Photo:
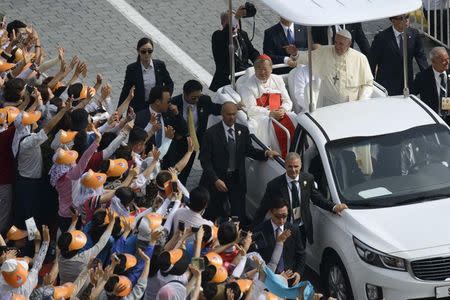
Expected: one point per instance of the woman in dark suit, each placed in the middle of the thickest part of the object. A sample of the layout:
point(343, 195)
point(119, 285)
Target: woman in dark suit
point(144, 74)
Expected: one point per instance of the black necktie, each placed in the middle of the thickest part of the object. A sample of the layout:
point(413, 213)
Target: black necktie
point(443, 87)
point(400, 44)
point(231, 144)
point(295, 197)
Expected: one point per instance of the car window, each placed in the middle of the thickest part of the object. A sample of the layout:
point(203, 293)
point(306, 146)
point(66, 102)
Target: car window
point(392, 169)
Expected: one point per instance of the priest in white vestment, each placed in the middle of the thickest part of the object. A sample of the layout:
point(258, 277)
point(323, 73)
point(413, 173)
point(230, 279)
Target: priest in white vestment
point(344, 72)
point(265, 95)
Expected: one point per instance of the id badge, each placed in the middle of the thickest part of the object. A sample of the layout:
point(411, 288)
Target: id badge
point(296, 213)
point(445, 103)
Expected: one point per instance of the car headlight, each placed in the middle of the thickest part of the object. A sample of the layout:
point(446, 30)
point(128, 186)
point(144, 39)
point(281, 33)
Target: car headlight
point(377, 258)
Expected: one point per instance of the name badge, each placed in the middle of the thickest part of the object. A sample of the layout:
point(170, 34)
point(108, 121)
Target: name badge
point(296, 213)
point(445, 103)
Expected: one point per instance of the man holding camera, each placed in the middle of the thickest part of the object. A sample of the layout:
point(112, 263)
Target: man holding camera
point(243, 48)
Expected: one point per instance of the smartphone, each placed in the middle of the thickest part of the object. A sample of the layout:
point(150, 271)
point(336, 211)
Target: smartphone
point(31, 228)
point(174, 185)
point(199, 263)
point(195, 229)
point(181, 226)
point(30, 88)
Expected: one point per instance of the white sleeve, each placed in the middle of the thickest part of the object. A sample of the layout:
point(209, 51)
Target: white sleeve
point(300, 82)
point(249, 100)
point(34, 140)
point(56, 141)
point(286, 101)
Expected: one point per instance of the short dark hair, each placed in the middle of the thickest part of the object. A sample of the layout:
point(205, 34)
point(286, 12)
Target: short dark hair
point(79, 119)
point(227, 233)
point(162, 177)
point(143, 41)
point(278, 202)
point(74, 90)
point(235, 288)
point(125, 195)
point(156, 93)
point(80, 142)
point(12, 89)
point(14, 25)
point(198, 198)
point(137, 135)
point(107, 138)
point(192, 86)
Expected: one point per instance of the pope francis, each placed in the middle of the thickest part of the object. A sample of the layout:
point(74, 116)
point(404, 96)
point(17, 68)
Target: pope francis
point(345, 73)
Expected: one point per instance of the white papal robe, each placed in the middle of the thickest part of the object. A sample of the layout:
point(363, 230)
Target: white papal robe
point(344, 77)
point(259, 121)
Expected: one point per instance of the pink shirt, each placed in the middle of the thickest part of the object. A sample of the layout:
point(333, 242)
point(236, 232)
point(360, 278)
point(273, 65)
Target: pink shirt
point(64, 184)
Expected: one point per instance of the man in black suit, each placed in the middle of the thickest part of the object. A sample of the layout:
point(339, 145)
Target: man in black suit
point(298, 188)
point(166, 115)
point(432, 83)
point(144, 74)
point(386, 55)
point(194, 106)
point(283, 40)
point(320, 36)
point(243, 49)
point(224, 148)
point(277, 229)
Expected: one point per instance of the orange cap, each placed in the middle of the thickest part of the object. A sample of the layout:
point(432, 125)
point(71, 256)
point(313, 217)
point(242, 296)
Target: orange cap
point(214, 232)
point(271, 296)
point(15, 234)
point(29, 118)
point(221, 275)
point(124, 281)
point(93, 180)
point(57, 86)
point(15, 272)
point(155, 220)
point(175, 255)
point(129, 219)
point(130, 261)
point(214, 259)
point(67, 136)
point(63, 291)
point(117, 167)
point(244, 285)
point(66, 157)
point(18, 297)
point(4, 66)
point(84, 91)
point(78, 240)
point(11, 112)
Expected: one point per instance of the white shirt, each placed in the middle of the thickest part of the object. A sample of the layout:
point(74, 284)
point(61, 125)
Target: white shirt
point(186, 106)
point(190, 218)
point(148, 75)
point(285, 29)
point(438, 81)
point(226, 127)
point(290, 183)
point(30, 161)
point(397, 36)
point(275, 227)
point(149, 125)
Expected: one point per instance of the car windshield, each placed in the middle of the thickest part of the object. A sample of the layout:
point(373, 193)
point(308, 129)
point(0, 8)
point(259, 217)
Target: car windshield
point(392, 169)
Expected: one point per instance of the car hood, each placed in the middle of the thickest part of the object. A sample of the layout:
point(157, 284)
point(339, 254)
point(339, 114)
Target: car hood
point(403, 229)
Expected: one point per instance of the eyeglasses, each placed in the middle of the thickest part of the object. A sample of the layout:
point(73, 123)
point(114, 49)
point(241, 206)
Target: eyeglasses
point(401, 18)
point(144, 51)
point(281, 216)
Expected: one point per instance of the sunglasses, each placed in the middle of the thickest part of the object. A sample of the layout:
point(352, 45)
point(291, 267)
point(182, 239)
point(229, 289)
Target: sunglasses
point(401, 18)
point(144, 51)
point(280, 216)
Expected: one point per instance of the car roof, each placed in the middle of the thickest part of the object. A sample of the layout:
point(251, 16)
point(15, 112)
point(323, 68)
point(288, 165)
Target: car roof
point(331, 12)
point(370, 117)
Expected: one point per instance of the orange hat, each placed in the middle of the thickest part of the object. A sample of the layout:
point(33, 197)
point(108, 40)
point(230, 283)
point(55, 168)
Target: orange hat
point(15, 272)
point(221, 275)
point(93, 180)
point(84, 92)
point(63, 291)
point(244, 285)
point(271, 296)
point(117, 167)
point(78, 240)
point(31, 117)
point(15, 234)
point(66, 137)
point(18, 297)
point(11, 113)
point(214, 259)
point(66, 157)
point(214, 232)
point(57, 86)
point(130, 261)
point(4, 66)
point(124, 281)
point(155, 220)
point(129, 219)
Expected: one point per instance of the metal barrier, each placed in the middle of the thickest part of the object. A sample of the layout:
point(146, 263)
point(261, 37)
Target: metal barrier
point(433, 21)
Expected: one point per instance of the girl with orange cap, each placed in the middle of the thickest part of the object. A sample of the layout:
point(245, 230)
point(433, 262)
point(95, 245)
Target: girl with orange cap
point(64, 172)
point(73, 259)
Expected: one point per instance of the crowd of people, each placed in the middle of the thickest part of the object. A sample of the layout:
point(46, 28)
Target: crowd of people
point(93, 197)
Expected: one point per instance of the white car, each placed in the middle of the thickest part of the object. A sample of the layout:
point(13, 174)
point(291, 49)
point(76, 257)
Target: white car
point(388, 159)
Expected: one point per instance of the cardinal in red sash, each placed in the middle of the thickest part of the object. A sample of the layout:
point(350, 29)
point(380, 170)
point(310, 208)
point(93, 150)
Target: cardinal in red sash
point(265, 96)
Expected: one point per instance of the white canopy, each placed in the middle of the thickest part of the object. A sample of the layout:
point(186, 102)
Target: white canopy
point(331, 12)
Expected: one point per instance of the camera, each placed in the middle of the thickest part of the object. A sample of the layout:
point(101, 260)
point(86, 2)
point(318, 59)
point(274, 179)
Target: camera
point(250, 10)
